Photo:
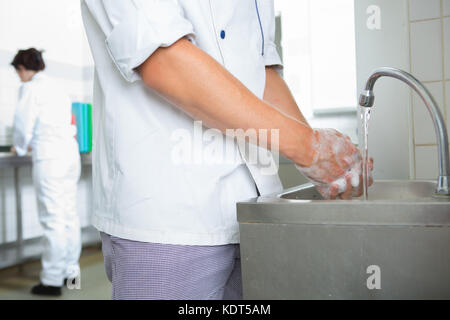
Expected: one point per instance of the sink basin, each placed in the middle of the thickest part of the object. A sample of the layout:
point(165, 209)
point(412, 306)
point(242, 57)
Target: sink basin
point(296, 245)
point(409, 190)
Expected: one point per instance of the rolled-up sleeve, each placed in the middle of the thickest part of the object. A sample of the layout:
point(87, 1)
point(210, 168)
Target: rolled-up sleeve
point(134, 29)
point(271, 56)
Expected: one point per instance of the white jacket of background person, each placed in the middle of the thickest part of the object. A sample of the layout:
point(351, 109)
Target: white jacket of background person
point(42, 120)
point(142, 190)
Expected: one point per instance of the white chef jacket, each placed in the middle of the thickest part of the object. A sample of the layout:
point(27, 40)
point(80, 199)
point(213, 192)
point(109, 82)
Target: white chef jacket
point(140, 193)
point(42, 120)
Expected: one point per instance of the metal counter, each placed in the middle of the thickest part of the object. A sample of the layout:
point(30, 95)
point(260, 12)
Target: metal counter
point(395, 245)
point(9, 160)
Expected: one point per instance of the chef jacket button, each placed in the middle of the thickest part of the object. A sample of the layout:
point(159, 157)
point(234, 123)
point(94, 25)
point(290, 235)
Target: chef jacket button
point(222, 34)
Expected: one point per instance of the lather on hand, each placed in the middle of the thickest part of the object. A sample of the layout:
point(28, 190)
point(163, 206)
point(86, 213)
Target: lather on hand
point(337, 165)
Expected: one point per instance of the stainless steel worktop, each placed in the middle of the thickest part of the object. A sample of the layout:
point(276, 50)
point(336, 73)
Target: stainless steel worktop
point(9, 160)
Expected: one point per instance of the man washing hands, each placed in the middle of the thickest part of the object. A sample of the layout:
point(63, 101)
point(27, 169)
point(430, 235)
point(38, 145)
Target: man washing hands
point(336, 167)
point(162, 66)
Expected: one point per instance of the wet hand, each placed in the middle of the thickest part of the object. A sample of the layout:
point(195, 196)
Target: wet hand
point(336, 170)
point(352, 189)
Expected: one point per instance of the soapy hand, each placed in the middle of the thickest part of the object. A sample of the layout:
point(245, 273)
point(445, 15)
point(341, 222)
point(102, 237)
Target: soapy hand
point(352, 184)
point(337, 165)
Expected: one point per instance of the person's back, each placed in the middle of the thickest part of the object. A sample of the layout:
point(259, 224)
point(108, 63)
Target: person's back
point(53, 133)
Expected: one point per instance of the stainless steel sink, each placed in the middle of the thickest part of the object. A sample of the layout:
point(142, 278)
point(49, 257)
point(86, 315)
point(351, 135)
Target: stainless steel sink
point(295, 245)
point(401, 190)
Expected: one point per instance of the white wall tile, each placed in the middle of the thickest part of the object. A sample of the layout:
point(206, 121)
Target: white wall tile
point(446, 22)
point(446, 7)
point(426, 163)
point(423, 124)
point(426, 50)
point(424, 9)
point(389, 123)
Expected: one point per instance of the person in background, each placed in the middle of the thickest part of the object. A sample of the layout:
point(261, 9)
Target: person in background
point(42, 124)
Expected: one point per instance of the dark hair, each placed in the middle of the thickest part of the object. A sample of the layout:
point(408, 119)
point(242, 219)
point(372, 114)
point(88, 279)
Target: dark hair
point(30, 59)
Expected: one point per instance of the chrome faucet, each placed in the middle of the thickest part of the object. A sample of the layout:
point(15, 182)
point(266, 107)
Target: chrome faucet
point(367, 99)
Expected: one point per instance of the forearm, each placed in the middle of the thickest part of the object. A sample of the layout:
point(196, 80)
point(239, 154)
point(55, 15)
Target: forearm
point(277, 94)
point(196, 83)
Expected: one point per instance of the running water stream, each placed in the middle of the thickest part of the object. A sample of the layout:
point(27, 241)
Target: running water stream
point(364, 146)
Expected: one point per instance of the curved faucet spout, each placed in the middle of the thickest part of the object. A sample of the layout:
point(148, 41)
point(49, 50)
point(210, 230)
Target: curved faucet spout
point(367, 99)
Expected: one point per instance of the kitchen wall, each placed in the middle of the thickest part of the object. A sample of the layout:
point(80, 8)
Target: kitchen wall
point(56, 27)
point(303, 62)
point(289, 175)
point(382, 40)
point(413, 35)
point(429, 34)
point(390, 140)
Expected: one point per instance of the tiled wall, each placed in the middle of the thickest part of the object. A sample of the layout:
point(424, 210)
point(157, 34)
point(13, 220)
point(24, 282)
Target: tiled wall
point(388, 45)
point(429, 28)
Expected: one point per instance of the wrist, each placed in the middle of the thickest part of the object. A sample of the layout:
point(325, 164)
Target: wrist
point(304, 150)
point(308, 152)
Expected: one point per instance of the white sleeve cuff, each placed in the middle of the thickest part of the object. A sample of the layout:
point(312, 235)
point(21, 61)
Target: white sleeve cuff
point(135, 38)
point(272, 58)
